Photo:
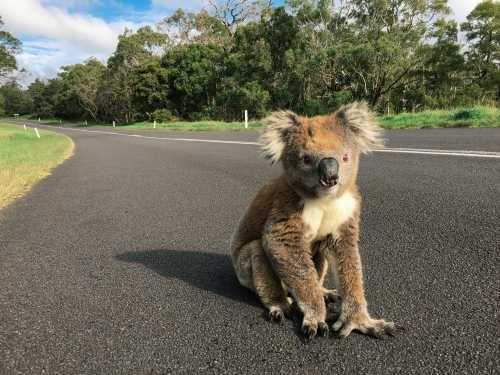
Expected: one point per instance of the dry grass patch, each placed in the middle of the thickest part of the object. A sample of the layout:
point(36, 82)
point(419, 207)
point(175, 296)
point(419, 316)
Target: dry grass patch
point(25, 158)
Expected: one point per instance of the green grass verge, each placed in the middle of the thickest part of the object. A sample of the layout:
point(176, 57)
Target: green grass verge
point(459, 118)
point(467, 117)
point(25, 158)
point(192, 126)
point(179, 126)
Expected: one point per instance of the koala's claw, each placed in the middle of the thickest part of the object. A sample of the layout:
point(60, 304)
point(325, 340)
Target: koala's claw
point(276, 315)
point(322, 329)
point(364, 324)
point(310, 329)
point(331, 295)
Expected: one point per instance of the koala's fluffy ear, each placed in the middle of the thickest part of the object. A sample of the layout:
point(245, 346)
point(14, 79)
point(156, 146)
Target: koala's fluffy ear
point(361, 122)
point(273, 137)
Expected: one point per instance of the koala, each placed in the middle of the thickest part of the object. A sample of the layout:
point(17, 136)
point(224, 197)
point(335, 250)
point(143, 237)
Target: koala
point(307, 220)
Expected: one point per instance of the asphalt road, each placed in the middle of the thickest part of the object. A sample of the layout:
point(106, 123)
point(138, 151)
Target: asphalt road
point(117, 263)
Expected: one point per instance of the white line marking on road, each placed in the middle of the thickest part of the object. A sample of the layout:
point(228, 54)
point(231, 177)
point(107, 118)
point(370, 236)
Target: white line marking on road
point(162, 138)
point(477, 154)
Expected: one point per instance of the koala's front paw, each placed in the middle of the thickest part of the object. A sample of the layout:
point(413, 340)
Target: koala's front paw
point(311, 328)
point(363, 323)
point(277, 314)
point(331, 295)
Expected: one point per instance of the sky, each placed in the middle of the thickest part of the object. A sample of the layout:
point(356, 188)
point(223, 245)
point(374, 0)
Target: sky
point(57, 33)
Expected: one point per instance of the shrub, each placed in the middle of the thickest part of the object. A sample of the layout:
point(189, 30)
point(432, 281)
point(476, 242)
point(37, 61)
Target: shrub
point(467, 114)
point(162, 115)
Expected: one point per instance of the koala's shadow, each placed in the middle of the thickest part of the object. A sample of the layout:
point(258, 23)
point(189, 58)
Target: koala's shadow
point(210, 272)
point(206, 271)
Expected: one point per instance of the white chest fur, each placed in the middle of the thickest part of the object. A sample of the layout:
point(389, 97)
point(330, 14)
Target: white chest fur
point(323, 217)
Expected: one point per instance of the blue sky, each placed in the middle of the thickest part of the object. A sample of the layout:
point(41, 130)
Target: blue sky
point(56, 33)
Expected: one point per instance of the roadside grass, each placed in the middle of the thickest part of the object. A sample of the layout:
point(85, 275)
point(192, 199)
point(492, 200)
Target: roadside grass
point(456, 118)
point(192, 126)
point(179, 126)
point(25, 158)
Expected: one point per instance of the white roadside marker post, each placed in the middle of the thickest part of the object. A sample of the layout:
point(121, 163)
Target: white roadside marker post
point(37, 132)
point(246, 119)
point(113, 123)
point(154, 124)
point(24, 126)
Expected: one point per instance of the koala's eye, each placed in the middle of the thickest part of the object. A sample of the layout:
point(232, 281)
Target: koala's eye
point(345, 159)
point(306, 160)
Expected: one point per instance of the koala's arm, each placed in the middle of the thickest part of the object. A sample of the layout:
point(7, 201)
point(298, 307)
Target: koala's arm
point(343, 256)
point(289, 255)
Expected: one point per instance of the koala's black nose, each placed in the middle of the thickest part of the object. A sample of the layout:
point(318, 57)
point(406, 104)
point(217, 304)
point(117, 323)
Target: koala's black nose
point(328, 170)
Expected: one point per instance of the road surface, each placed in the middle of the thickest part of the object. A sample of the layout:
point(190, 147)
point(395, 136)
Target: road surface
point(117, 263)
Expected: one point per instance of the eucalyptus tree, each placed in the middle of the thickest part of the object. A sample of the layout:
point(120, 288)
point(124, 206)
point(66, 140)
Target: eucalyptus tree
point(234, 13)
point(260, 68)
point(364, 49)
point(81, 95)
point(279, 29)
point(9, 48)
point(439, 81)
point(186, 27)
point(134, 51)
point(13, 99)
point(482, 33)
point(193, 77)
point(248, 72)
point(151, 91)
point(44, 96)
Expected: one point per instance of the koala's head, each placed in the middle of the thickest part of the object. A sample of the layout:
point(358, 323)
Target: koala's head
point(320, 155)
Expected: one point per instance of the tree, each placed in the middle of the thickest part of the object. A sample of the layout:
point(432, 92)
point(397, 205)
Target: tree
point(13, 99)
point(364, 49)
point(183, 28)
point(38, 92)
point(233, 13)
point(439, 81)
point(81, 82)
point(194, 78)
point(482, 32)
point(9, 48)
point(151, 92)
point(280, 30)
point(133, 50)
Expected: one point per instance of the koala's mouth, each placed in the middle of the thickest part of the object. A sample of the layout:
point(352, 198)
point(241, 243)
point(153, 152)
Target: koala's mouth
point(329, 182)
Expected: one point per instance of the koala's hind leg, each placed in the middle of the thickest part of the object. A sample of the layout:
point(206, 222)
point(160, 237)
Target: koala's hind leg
point(321, 265)
point(256, 273)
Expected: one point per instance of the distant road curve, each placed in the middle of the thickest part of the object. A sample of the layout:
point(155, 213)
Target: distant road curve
point(128, 133)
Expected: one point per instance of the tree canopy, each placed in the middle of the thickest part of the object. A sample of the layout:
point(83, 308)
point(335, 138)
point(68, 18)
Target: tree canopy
point(9, 48)
point(310, 56)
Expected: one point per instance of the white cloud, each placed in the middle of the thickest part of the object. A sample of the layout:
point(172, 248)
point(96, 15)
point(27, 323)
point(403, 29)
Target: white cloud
point(29, 18)
point(44, 57)
point(53, 37)
point(71, 3)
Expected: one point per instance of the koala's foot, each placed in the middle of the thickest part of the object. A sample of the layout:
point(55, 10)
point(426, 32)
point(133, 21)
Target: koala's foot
point(331, 295)
point(312, 328)
point(362, 322)
point(278, 313)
